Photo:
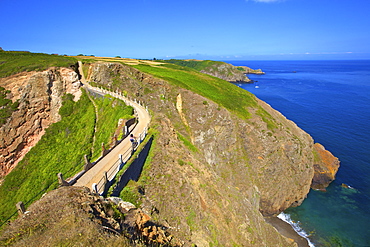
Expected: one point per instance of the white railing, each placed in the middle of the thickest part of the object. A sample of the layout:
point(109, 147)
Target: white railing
point(111, 173)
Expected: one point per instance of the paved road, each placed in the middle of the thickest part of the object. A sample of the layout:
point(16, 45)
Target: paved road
point(97, 172)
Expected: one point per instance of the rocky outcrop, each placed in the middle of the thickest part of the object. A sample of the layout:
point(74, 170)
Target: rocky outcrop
point(40, 96)
point(326, 166)
point(74, 216)
point(227, 72)
point(248, 70)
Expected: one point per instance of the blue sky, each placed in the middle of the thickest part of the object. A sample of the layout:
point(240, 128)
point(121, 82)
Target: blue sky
point(203, 29)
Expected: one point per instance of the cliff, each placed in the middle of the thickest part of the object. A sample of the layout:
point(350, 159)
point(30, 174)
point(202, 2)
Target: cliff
point(221, 159)
point(39, 96)
point(252, 71)
point(209, 166)
point(227, 72)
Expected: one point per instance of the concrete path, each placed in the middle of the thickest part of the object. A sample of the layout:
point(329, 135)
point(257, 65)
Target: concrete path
point(96, 173)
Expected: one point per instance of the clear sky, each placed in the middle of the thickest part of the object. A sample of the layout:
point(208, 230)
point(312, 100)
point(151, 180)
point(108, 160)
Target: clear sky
point(204, 29)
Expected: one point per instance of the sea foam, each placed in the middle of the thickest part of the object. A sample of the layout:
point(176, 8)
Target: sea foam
point(296, 226)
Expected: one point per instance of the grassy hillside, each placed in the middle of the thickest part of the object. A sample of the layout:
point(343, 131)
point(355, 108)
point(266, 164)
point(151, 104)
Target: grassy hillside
point(61, 149)
point(227, 95)
point(194, 64)
point(13, 62)
point(110, 110)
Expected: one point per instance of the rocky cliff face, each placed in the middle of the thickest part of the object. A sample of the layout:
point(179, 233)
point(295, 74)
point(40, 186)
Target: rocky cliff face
point(39, 95)
point(326, 167)
point(227, 72)
point(212, 175)
point(252, 71)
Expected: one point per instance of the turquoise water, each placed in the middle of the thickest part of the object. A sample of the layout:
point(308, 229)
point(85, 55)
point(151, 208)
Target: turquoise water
point(331, 101)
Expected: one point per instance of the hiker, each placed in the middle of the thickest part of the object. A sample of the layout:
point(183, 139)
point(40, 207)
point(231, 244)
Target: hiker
point(133, 140)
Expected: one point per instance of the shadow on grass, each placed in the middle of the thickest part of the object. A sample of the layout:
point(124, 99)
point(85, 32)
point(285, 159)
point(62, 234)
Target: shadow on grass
point(134, 171)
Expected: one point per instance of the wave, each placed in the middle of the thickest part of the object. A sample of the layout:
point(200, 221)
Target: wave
point(296, 226)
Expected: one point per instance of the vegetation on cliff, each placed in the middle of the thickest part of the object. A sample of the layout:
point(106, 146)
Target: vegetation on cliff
point(7, 107)
point(198, 65)
point(222, 70)
point(61, 149)
point(226, 95)
point(13, 62)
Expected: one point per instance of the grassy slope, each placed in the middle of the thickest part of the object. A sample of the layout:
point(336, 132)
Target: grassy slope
point(55, 152)
point(12, 62)
point(110, 110)
point(225, 94)
point(194, 64)
point(61, 149)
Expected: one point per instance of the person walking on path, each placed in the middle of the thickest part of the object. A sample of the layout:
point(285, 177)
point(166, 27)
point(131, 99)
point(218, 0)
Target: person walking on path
point(133, 141)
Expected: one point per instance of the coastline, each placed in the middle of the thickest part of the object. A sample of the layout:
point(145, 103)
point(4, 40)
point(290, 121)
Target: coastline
point(287, 230)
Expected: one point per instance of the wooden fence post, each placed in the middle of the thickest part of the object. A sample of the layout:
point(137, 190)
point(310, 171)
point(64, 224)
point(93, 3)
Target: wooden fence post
point(61, 181)
point(115, 140)
point(103, 151)
point(87, 165)
point(20, 207)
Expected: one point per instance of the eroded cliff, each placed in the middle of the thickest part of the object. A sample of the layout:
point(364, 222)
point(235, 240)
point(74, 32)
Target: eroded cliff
point(211, 174)
point(40, 96)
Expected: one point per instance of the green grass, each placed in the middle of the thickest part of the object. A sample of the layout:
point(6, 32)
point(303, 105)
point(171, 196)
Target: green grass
point(194, 64)
point(61, 149)
point(221, 92)
point(110, 110)
point(130, 193)
point(187, 143)
point(267, 118)
point(13, 62)
point(7, 107)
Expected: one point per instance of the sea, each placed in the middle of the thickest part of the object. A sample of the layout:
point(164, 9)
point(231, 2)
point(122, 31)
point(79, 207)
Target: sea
point(330, 100)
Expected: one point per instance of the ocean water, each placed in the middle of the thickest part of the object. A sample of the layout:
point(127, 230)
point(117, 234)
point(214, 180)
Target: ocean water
point(331, 101)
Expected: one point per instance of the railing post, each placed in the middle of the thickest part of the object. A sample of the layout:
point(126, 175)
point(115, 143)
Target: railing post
point(115, 141)
point(20, 207)
point(95, 188)
point(87, 165)
point(126, 130)
point(61, 181)
point(103, 150)
point(120, 156)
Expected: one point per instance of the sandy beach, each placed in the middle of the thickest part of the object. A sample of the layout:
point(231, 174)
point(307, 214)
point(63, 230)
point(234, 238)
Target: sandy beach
point(286, 230)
